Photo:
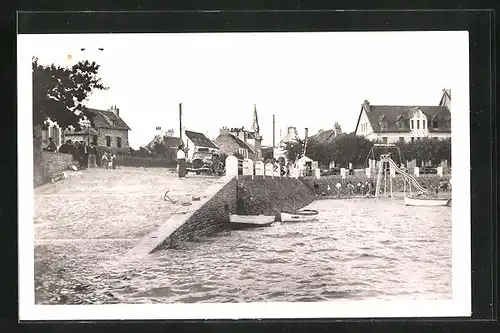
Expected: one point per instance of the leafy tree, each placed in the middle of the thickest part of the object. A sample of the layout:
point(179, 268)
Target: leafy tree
point(59, 92)
point(294, 149)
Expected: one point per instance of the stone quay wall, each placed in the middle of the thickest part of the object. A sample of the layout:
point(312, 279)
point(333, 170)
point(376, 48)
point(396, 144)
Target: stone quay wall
point(271, 196)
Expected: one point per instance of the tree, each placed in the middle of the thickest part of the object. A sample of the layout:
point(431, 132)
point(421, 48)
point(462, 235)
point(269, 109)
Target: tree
point(294, 149)
point(59, 92)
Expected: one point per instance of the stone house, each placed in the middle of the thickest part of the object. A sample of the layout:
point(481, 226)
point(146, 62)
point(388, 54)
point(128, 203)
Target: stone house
point(291, 135)
point(405, 123)
point(109, 130)
point(231, 141)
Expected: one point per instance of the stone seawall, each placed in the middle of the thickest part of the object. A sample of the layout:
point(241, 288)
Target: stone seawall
point(320, 186)
point(271, 196)
point(204, 217)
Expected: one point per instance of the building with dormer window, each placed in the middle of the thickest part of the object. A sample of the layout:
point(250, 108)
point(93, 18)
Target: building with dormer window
point(397, 123)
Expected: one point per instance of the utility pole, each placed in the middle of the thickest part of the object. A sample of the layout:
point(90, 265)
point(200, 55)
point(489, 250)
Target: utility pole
point(180, 121)
point(274, 131)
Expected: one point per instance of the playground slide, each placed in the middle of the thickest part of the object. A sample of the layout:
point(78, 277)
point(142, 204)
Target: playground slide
point(407, 175)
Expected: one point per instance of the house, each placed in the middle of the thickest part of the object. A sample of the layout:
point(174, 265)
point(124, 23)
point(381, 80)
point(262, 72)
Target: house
point(109, 130)
point(198, 142)
point(51, 129)
point(393, 123)
point(327, 135)
point(170, 144)
point(235, 140)
point(247, 143)
point(280, 149)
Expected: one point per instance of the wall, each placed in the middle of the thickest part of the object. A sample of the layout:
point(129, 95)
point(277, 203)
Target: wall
point(226, 144)
point(271, 196)
point(54, 163)
point(38, 175)
point(429, 181)
point(204, 217)
point(113, 133)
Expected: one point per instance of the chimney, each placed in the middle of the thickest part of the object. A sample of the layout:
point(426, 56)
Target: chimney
point(306, 132)
point(224, 130)
point(170, 133)
point(274, 131)
point(366, 105)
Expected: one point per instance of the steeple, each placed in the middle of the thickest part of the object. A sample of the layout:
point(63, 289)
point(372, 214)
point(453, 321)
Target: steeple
point(255, 125)
point(446, 98)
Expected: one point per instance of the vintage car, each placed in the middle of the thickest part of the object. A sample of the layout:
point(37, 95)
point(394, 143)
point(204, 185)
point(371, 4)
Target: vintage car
point(205, 163)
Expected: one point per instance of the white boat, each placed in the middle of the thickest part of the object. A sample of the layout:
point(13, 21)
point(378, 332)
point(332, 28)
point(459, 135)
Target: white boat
point(251, 220)
point(426, 201)
point(302, 215)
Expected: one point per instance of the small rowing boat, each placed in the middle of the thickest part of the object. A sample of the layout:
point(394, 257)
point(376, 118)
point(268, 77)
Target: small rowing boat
point(426, 201)
point(248, 221)
point(302, 215)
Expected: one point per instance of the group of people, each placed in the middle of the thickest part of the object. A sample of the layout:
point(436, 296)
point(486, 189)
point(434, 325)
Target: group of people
point(86, 156)
point(367, 188)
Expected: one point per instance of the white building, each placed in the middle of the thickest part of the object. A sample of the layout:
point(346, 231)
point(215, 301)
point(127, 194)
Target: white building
point(198, 142)
point(393, 123)
point(291, 135)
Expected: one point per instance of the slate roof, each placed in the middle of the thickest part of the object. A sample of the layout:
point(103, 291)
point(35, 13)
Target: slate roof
point(108, 119)
point(390, 114)
point(200, 140)
point(324, 136)
point(241, 143)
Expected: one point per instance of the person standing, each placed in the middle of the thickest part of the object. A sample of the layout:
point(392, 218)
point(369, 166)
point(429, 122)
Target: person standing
point(104, 160)
point(92, 156)
point(181, 162)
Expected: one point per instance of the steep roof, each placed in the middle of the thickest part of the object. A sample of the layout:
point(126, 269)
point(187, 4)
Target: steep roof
point(324, 136)
point(108, 119)
point(200, 140)
point(241, 143)
point(169, 142)
point(390, 114)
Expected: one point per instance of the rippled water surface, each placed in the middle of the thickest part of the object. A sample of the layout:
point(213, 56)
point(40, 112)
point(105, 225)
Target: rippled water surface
point(358, 249)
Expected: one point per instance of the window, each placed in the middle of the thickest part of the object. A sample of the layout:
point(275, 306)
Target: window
point(418, 124)
point(412, 139)
point(423, 123)
point(418, 139)
point(401, 139)
point(94, 140)
point(119, 142)
point(384, 139)
point(412, 124)
point(435, 123)
point(108, 141)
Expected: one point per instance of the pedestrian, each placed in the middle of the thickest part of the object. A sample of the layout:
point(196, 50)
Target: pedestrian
point(104, 160)
point(113, 161)
point(92, 156)
point(51, 147)
point(85, 155)
point(65, 147)
point(350, 188)
point(181, 162)
point(338, 186)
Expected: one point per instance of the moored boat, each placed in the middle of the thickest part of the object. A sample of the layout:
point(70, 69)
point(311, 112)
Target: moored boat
point(249, 221)
point(302, 215)
point(426, 201)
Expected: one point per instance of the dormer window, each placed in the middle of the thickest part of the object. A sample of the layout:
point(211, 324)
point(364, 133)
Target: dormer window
point(435, 123)
point(401, 122)
point(112, 122)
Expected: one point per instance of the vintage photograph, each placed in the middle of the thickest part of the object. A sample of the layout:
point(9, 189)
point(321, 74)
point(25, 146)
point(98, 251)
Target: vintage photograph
point(271, 174)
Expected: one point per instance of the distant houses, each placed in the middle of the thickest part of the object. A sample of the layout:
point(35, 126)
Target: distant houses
point(405, 123)
point(247, 143)
point(325, 136)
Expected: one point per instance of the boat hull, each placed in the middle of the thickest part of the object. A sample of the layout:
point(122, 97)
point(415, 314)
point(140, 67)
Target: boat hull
point(250, 221)
point(429, 202)
point(300, 216)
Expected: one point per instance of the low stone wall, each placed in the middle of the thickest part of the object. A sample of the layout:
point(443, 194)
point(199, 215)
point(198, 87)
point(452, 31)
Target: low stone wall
point(54, 163)
point(48, 164)
point(320, 185)
point(201, 218)
point(271, 196)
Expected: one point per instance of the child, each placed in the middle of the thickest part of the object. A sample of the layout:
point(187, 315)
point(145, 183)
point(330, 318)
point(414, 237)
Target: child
point(104, 161)
point(113, 161)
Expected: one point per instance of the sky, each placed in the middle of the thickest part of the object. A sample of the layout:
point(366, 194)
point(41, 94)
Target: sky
point(305, 79)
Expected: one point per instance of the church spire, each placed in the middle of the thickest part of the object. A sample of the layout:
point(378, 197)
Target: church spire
point(255, 125)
